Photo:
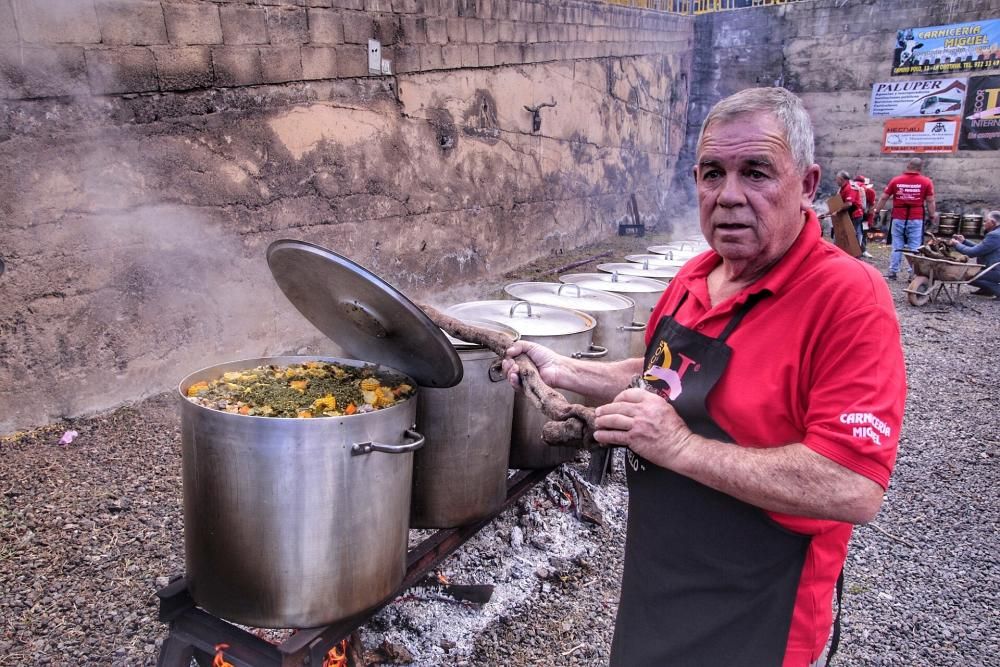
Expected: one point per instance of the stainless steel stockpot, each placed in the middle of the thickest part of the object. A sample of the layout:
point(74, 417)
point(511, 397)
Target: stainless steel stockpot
point(645, 292)
point(295, 523)
point(656, 261)
point(460, 476)
point(615, 314)
point(568, 332)
point(664, 273)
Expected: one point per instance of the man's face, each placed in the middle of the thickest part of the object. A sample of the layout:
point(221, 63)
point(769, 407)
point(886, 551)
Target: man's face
point(990, 224)
point(751, 196)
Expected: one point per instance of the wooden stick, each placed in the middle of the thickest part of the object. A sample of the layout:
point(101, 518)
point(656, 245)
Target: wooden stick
point(572, 424)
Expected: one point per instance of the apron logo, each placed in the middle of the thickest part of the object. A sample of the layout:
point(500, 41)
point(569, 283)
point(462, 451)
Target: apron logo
point(634, 461)
point(660, 372)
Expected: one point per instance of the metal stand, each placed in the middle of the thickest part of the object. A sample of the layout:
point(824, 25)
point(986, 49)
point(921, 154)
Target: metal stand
point(194, 632)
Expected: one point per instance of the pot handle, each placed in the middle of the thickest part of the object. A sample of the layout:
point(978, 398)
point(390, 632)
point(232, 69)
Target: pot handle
point(596, 352)
point(635, 326)
point(526, 304)
point(565, 285)
point(360, 448)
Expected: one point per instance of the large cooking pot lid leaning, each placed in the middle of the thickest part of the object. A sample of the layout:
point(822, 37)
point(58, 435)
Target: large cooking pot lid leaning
point(366, 316)
point(569, 296)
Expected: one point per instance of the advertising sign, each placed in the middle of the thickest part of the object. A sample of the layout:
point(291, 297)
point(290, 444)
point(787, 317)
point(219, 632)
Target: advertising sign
point(930, 97)
point(920, 135)
point(981, 122)
point(948, 49)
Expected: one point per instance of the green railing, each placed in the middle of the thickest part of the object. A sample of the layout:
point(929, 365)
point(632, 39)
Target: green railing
point(697, 6)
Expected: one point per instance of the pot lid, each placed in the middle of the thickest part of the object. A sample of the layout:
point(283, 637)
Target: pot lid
point(655, 260)
point(671, 252)
point(528, 319)
point(362, 313)
point(566, 295)
point(633, 269)
point(614, 282)
point(482, 324)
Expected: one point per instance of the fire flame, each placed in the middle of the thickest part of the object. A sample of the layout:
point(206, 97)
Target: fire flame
point(336, 656)
point(443, 578)
point(220, 658)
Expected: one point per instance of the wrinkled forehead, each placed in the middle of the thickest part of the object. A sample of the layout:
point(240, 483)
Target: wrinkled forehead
point(750, 133)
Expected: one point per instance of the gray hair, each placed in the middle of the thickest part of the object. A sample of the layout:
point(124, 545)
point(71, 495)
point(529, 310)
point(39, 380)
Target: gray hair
point(786, 108)
point(914, 164)
point(844, 175)
point(994, 216)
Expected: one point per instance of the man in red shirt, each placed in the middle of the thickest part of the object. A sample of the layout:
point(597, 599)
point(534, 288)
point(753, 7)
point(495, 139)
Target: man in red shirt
point(764, 418)
point(864, 185)
point(853, 203)
point(911, 193)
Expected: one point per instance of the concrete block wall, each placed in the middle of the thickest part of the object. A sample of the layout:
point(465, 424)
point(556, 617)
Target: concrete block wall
point(831, 52)
point(107, 47)
point(151, 151)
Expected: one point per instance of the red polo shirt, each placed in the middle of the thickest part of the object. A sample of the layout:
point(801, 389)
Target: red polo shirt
point(908, 192)
point(817, 361)
point(852, 196)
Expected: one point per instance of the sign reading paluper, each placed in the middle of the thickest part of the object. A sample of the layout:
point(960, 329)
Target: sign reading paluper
point(928, 97)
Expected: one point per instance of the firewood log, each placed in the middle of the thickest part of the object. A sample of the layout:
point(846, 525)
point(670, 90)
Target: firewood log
point(572, 424)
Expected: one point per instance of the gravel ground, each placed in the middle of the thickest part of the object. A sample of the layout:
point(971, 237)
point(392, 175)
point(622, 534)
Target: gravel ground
point(89, 531)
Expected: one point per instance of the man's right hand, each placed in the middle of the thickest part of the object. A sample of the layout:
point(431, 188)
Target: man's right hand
point(549, 363)
point(956, 239)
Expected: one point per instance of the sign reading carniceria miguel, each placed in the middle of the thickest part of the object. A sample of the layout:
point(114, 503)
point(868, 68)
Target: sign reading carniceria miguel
point(946, 49)
point(929, 97)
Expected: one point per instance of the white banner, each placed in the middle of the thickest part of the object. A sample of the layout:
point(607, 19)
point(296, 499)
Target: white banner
point(931, 97)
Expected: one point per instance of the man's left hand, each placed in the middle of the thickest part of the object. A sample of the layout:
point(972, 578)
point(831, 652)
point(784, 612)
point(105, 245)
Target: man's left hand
point(645, 423)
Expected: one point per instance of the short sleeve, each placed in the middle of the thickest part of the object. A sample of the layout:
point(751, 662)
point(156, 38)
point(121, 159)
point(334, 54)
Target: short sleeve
point(857, 388)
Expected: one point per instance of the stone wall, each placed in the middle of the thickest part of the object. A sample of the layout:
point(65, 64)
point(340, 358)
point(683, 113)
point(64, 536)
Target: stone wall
point(150, 151)
point(831, 52)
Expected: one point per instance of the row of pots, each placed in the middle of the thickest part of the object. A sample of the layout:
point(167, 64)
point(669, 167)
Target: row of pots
point(303, 522)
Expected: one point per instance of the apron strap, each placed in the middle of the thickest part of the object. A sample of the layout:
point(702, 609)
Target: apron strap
point(741, 313)
point(835, 641)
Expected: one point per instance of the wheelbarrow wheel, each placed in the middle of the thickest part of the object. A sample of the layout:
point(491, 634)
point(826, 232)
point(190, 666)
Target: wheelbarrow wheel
point(919, 291)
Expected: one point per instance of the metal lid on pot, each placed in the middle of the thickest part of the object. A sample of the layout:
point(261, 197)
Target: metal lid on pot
point(463, 345)
point(569, 296)
point(656, 260)
point(633, 269)
point(528, 319)
point(668, 252)
point(614, 282)
point(362, 313)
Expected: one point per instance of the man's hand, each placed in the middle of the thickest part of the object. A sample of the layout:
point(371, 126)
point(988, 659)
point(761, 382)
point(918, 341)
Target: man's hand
point(956, 239)
point(548, 363)
point(645, 423)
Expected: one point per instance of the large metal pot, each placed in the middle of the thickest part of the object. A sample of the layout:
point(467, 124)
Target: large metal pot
point(294, 522)
point(645, 292)
point(615, 314)
point(664, 273)
point(461, 475)
point(567, 332)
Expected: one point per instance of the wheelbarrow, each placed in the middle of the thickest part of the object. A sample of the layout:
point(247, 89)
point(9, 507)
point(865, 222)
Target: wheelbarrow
point(934, 277)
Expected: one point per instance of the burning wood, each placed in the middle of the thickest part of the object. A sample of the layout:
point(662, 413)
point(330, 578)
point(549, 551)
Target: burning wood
point(220, 657)
point(572, 425)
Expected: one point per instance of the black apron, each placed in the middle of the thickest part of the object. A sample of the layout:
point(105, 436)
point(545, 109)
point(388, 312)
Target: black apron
point(709, 581)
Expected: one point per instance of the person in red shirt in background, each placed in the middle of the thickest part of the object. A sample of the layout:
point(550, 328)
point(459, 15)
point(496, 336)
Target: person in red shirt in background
point(764, 419)
point(911, 192)
point(865, 185)
point(854, 203)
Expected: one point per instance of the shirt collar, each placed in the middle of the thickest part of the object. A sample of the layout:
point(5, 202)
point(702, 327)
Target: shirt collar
point(695, 280)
